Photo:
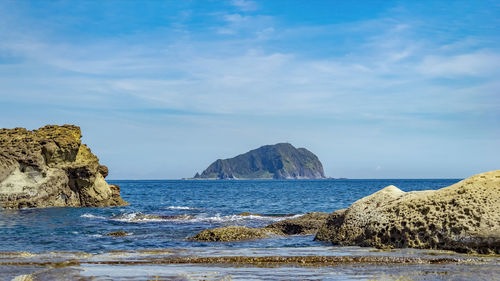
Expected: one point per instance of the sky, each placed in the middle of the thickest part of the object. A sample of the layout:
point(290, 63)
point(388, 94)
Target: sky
point(161, 89)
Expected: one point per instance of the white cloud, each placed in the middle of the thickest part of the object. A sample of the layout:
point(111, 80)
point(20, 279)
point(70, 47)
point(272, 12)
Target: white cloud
point(245, 5)
point(479, 64)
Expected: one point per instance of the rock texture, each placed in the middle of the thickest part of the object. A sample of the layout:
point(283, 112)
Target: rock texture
point(464, 217)
point(231, 233)
point(50, 167)
point(306, 224)
point(279, 161)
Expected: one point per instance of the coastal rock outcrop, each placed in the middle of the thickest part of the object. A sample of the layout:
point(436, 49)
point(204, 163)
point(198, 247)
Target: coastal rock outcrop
point(306, 224)
point(50, 167)
point(463, 217)
point(279, 161)
point(303, 225)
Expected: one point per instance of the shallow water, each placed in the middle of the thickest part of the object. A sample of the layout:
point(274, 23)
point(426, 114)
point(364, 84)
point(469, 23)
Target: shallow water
point(182, 264)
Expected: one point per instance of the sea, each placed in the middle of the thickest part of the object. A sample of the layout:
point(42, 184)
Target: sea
point(163, 213)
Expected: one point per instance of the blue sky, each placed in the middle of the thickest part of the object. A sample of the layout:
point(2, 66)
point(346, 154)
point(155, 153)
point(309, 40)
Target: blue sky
point(376, 89)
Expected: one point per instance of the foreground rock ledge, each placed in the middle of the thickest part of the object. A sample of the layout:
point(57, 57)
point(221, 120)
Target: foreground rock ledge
point(464, 217)
point(50, 167)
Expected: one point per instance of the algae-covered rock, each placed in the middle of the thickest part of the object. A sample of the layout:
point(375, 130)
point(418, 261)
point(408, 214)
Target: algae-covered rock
point(279, 161)
point(463, 217)
point(306, 224)
point(231, 233)
point(120, 233)
point(50, 167)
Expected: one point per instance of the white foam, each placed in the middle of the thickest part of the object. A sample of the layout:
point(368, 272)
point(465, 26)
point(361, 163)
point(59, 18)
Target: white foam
point(238, 218)
point(181, 208)
point(138, 217)
point(90, 216)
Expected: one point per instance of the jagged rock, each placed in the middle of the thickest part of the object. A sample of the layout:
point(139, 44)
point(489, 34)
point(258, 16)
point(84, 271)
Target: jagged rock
point(306, 224)
point(50, 167)
point(463, 217)
point(279, 161)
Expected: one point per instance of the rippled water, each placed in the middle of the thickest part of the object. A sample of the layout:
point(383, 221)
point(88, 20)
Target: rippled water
point(163, 213)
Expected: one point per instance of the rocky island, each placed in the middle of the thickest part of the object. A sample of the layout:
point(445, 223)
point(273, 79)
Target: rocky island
point(279, 161)
point(50, 167)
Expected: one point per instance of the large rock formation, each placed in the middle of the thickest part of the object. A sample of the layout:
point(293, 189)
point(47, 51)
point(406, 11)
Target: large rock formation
point(50, 167)
point(463, 217)
point(279, 161)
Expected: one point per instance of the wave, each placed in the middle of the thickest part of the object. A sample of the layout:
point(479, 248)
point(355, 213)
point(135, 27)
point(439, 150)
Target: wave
point(239, 218)
point(138, 217)
point(181, 208)
point(90, 216)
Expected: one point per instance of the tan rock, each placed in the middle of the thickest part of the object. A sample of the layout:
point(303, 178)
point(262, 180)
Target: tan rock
point(463, 217)
point(50, 167)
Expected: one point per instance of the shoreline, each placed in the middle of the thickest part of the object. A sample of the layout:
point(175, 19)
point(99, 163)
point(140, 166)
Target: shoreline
point(212, 263)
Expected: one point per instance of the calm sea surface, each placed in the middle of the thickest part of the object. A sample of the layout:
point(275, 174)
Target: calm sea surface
point(163, 213)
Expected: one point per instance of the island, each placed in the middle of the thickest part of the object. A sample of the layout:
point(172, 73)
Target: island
point(279, 161)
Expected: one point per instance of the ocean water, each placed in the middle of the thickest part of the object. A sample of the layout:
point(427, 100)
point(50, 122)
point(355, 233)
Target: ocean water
point(163, 213)
point(72, 243)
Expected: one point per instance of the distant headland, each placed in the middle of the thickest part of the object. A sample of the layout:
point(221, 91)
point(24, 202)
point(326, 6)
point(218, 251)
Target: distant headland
point(279, 161)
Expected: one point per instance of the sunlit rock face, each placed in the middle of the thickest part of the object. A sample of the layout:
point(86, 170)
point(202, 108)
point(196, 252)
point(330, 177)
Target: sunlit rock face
point(50, 167)
point(463, 217)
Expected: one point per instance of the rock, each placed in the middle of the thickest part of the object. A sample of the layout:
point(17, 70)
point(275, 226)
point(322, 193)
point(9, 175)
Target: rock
point(463, 217)
point(306, 224)
point(245, 214)
point(50, 167)
point(279, 161)
point(231, 233)
point(117, 233)
point(103, 170)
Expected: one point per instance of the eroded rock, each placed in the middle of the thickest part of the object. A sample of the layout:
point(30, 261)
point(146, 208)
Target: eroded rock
point(50, 167)
point(463, 217)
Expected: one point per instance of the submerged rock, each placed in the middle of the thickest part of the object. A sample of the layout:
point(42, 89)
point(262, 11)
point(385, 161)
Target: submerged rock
point(50, 167)
point(279, 161)
point(463, 217)
point(117, 233)
point(306, 224)
point(246, 214)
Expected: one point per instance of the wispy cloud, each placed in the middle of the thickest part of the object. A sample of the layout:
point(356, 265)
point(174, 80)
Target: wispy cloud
point(245, 5)
point(380, 76)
